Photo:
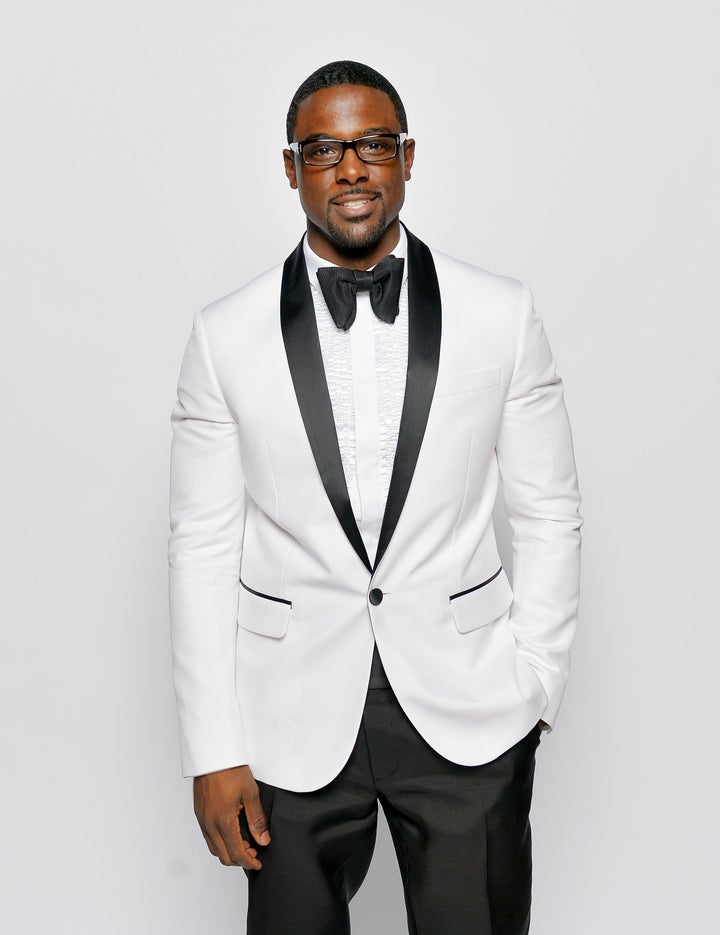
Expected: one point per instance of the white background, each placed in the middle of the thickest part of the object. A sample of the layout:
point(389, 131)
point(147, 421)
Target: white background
point(569, 143)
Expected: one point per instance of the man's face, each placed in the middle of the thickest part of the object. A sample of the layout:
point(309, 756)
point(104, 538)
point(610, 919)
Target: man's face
point(352, 208)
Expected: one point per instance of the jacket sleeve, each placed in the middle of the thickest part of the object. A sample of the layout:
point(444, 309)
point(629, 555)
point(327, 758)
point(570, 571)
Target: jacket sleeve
point(542, 500)
point(204, 549)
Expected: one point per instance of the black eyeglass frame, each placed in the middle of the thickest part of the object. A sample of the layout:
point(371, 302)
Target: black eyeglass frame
point(297, 147)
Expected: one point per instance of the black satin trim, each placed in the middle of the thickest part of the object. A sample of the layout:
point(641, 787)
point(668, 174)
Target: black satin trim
point(477, 586)
point(302, 346)
point(267, 597)
point(425, 330)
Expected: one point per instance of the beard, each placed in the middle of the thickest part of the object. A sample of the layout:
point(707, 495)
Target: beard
point(357, 233)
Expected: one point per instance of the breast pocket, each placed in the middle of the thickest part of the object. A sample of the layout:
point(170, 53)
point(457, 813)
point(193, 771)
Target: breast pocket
point(469, 381)
point(482, 603)
point(263, 613)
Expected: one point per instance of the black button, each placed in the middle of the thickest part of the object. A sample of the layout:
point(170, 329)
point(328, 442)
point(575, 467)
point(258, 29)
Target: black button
point(376, 596)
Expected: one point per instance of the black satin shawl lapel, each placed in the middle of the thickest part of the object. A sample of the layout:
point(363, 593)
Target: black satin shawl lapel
point(425, 327)
point(302, 346)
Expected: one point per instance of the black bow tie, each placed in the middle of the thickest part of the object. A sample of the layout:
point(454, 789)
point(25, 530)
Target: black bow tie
point(340, 287)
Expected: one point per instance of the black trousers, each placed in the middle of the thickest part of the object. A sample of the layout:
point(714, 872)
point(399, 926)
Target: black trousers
point(461, 835)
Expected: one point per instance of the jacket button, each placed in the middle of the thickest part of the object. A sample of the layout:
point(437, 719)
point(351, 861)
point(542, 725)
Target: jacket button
point(376, 596)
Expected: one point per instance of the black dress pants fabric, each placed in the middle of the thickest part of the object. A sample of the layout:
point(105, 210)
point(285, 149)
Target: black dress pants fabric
point(461, 836)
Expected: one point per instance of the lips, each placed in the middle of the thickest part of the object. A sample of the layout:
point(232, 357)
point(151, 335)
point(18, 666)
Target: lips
point(354, 205)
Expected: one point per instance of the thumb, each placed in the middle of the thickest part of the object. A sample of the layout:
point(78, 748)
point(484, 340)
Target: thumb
point(256, 818)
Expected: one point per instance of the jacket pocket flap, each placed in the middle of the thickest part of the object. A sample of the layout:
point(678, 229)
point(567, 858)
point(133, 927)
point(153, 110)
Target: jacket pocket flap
point(481, 604)
point(263, 613)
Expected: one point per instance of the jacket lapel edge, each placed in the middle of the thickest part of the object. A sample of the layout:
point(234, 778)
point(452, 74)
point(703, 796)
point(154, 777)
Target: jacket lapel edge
point(425, 330)
point(302, 347)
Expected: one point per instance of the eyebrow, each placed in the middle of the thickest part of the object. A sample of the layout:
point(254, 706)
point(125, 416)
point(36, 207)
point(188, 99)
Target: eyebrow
point(368, 131)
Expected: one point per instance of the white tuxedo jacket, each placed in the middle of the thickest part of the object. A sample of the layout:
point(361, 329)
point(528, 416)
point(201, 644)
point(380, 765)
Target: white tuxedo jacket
point(275, 606)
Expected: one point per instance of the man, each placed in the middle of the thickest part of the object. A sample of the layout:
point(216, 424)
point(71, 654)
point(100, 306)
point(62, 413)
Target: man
point(343, 630)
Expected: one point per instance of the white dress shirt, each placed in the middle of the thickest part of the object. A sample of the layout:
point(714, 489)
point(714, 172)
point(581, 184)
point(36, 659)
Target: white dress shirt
point(365, 368)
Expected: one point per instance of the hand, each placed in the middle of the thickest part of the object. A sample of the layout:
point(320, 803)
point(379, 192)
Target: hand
point(219, 799)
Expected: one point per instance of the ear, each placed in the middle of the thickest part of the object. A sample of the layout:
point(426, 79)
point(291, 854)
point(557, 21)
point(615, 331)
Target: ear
point(409, 157)
point(289, 159)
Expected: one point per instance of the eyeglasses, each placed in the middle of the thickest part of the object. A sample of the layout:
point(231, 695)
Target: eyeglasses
point(328, 153)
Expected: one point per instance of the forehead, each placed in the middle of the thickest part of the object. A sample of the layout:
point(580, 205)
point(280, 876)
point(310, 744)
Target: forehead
point(344, 112)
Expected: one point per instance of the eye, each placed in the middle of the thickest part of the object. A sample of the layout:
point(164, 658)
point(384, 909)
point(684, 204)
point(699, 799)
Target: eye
point(322, 149)
point(377, 146)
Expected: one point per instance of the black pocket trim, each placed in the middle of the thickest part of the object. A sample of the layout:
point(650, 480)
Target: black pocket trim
point(477, 586)
point(267, 597)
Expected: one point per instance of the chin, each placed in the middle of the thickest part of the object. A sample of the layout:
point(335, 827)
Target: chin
point(355, 235)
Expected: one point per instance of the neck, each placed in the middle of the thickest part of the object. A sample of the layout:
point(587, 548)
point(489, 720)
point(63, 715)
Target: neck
point(353, 257)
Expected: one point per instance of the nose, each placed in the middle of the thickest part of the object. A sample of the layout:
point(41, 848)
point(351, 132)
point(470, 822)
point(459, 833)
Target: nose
point(351, 168)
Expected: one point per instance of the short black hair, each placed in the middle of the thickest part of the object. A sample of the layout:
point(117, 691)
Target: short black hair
point(344, 72)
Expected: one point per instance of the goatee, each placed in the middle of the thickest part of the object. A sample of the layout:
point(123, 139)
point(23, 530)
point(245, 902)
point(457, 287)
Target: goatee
point(354, 235)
